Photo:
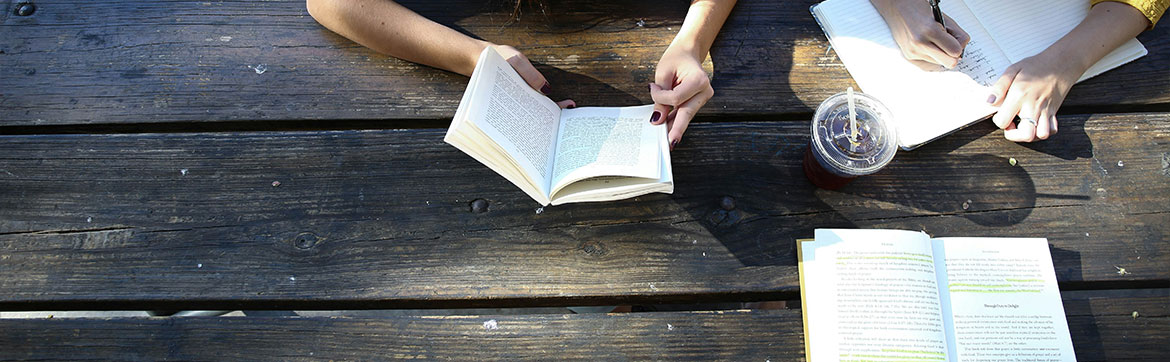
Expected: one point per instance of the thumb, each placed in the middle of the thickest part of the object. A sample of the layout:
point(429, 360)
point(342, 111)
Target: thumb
point(660, 110)
point(1000, 88)
point(1003, 117)
point(531, 76)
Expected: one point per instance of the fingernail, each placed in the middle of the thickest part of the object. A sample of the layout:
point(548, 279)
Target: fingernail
point(991, 99)
point(654, 117)
point(546, 88)
point(672, 144)
point(571, 106)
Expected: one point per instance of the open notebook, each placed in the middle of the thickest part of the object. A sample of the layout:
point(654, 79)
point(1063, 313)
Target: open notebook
point(929, 104)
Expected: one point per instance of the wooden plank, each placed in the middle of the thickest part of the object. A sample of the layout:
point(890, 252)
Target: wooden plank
point(1104, 327)
point(100, 62)
point(365, 219)
point(1101, 323)
point(775, 335)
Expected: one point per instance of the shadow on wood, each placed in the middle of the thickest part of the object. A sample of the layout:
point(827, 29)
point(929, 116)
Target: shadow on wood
point(755, 200)
point(1069, 143)
point(982, 188)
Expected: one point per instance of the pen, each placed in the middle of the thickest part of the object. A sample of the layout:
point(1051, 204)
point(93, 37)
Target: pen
point(937, 12)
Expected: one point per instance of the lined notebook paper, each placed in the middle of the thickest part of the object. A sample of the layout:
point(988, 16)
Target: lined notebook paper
point(929, 104)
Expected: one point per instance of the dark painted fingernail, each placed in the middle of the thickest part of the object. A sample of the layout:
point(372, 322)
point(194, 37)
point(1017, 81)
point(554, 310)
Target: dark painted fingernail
point(546, 88)
point(672, 144)
point(654, 117)
point(571, 106)
point(991, 99)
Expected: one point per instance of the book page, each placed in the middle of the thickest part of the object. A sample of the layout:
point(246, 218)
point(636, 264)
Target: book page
point(1025, 28)
point(925, 104)
point(606, 188)
point(520, 120)
point(1001, 300)
point(871, 295)
point(606, 141)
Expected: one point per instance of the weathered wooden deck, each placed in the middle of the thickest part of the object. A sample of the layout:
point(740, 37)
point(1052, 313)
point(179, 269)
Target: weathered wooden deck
point(139, 144)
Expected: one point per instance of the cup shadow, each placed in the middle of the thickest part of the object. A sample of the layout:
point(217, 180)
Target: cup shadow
point(983, 188)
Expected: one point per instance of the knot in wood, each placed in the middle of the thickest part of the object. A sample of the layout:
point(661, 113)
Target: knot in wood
point(479, 206)
point(25, 9)
point(593, 248)
point(727, 203)
point(305, 240)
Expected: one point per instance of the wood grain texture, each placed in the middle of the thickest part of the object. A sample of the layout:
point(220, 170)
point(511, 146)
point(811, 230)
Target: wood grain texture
point(102, 62)
point(1104, 328)
point(775, 335)
point(381, 219)
point(1101, 325)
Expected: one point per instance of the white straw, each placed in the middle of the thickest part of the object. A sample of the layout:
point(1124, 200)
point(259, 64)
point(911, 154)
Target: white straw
point(852, 119)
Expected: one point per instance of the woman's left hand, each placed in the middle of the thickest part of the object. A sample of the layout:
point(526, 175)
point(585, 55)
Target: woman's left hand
point(1033, 89)
point(680, 88)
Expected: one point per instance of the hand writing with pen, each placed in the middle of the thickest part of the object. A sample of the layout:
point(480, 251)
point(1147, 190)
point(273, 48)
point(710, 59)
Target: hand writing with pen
point(1033, 88)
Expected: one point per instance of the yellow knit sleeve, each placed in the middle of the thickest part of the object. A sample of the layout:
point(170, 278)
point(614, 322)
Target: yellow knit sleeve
point(1152, 9)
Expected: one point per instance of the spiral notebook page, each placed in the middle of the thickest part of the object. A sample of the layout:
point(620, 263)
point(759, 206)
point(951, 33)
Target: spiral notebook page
point(925, 104)
point(1018, 30)
point(929, 104)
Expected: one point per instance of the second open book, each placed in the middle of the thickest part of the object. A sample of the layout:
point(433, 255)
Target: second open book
point(557, 155)
point(893, 295)
point(929, 104)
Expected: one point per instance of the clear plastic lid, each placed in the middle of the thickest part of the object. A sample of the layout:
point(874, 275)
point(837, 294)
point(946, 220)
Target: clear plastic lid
point(848, 151)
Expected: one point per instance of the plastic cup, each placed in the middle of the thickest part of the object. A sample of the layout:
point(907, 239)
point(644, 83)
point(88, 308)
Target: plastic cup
point(836, 155)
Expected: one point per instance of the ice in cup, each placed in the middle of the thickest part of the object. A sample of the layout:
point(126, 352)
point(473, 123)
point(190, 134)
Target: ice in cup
point(844, 147)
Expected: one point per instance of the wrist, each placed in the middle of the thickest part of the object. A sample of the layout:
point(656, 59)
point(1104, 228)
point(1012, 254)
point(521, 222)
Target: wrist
point(686, 46)
point(701, 26)
point(1069, 59)
point(887, 8)
point(471, 56)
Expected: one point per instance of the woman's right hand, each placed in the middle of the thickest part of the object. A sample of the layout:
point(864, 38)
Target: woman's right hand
point(922, 40)
point(531, 76)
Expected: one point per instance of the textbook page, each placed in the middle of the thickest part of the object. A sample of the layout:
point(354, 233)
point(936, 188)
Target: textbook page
point(467, 137)
point(925, 104)
point(520, 120)
point(872, 295)
point(606, 188)
point(1001, 300)
point(606, 141)
point(1021, 33)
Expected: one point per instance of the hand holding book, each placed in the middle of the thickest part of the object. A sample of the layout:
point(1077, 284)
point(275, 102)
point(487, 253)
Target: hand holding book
point(557, 155)
point(524, 68)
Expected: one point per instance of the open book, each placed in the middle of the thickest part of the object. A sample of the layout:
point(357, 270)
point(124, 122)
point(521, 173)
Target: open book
point(883, 295)
point(930, 104)
point(556, 155)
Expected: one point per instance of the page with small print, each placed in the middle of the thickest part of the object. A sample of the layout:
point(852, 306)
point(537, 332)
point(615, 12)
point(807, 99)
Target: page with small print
point(1001, 301)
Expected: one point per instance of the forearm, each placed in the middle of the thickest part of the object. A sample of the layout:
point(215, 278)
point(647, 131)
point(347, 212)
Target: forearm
point(887, 8)
point(391, 29)
point(1108, 26)
point(704, 18)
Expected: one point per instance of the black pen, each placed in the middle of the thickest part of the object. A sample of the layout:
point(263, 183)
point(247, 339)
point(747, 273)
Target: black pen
point(937, 13)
